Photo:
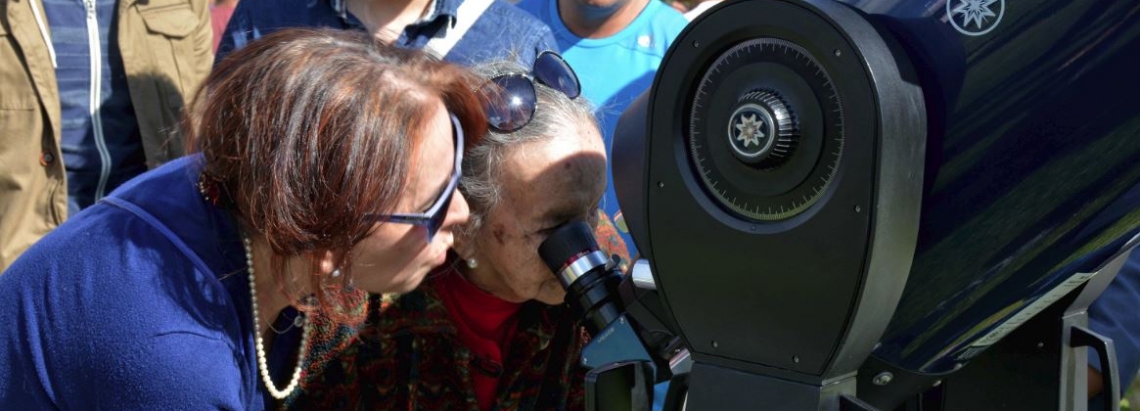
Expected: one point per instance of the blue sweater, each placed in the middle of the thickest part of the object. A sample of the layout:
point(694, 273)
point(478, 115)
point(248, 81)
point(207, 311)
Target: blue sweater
point(140, 302)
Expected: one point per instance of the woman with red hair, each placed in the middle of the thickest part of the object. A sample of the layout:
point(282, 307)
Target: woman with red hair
point(326, 165)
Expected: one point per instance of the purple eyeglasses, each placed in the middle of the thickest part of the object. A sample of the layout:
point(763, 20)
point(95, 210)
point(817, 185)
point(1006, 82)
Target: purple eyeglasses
point(432, 220)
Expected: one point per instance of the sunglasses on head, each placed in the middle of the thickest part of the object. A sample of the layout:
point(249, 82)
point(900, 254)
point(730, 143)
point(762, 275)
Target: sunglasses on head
point(433, 218)
point(510, 99)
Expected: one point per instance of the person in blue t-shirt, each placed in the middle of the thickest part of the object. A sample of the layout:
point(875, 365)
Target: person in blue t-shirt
point(465, 32)
point(615, 46)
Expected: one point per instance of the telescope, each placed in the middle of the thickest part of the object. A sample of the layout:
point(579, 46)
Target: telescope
point(878, 205)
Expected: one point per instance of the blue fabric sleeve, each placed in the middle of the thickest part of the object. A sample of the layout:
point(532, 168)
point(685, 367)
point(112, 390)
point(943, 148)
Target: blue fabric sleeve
point(178, 371)
point(545, 41)
point(1116, 314)
point(105, 313)
point(532, 7)
point(537, 39)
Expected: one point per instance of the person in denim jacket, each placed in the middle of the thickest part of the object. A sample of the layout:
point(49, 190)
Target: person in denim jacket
point(465, 32)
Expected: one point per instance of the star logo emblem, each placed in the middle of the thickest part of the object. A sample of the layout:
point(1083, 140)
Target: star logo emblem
point(975, 11)
point(975, 17)
point(750, 130)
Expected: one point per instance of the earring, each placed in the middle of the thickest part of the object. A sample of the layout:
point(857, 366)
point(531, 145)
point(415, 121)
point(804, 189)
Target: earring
point(335, 273)
point(472, 263)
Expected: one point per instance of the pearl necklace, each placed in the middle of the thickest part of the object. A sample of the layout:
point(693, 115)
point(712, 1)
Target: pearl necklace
point(261, 363)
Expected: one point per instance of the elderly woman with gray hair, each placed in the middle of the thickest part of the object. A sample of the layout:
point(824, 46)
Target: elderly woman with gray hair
point(488, 330)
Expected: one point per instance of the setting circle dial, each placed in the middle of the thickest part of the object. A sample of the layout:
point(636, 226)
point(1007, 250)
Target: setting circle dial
point(765, 130)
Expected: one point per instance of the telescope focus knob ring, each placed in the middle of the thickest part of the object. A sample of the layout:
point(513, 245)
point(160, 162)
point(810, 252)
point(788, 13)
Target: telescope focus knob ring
point(762, 130)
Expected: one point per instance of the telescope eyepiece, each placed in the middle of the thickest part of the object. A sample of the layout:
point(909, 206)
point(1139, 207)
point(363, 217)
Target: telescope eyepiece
point(566, 242)
point(572, 253)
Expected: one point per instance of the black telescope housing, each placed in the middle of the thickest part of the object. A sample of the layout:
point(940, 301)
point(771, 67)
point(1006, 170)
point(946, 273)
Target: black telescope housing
point(872, 205)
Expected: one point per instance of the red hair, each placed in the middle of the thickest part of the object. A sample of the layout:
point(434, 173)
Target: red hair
point(307, 131)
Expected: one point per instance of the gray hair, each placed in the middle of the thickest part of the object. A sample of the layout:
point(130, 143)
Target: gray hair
point(482, 164)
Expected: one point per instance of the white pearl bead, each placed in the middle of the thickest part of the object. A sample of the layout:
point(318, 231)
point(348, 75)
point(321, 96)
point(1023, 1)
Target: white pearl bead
point(262, 364)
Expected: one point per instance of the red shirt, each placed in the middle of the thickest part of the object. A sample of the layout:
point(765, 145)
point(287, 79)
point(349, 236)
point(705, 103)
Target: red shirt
point(484, 324)
point(220, 16)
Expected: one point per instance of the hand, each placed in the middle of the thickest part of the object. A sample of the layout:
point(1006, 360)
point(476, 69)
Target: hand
point(1095, 382)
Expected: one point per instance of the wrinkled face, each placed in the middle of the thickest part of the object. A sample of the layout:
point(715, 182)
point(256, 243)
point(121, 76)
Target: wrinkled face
point(395, 257)
point(543, 185)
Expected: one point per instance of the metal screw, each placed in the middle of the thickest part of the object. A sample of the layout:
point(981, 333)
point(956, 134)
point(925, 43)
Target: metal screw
point(838, 53)
point(883, 378)
point(696, 44)
point(621, 320)
point(584, 361)
point(858, 209)
point(660, 184)
point(796, 359)
point(715, 345)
